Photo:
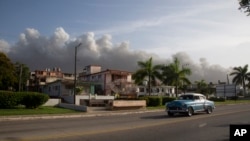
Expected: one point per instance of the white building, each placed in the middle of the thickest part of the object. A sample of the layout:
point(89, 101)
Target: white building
point(156, 90)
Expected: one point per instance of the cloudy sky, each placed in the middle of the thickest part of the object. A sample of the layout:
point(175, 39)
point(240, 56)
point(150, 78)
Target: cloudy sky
point(211, 36)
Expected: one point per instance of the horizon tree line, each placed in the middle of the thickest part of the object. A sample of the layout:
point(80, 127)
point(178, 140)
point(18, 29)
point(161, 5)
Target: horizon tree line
point(175, 74)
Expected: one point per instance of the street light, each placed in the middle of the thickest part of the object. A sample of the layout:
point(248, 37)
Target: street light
point(74, 96)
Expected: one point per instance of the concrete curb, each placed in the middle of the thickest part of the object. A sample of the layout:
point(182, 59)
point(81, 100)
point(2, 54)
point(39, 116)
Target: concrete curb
point(83, 115)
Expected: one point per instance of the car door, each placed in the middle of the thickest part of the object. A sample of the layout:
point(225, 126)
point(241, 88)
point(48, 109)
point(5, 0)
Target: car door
point(203, 102)
point(199, 103)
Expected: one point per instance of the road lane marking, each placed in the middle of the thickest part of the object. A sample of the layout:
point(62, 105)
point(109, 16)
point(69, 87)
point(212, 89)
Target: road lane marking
point(202, 125)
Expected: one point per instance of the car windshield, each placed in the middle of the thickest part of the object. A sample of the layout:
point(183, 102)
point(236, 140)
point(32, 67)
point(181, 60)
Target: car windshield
point(186, 97)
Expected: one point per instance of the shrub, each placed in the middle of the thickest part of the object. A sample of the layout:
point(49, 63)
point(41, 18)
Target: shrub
point(154, 101)
point(167, 99)
point(233, 98)
point(144, 98)
point(216, 99)
point(9, 99)
point(33, 99)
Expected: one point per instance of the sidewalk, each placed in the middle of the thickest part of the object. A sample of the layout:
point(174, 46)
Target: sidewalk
point(95, 112)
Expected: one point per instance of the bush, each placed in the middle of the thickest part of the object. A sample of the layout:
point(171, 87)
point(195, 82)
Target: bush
point(33, 99)
point(167, 99)
point(144, 98)
point(233, 98)
point(9, 99)
point(154, 101)
point(216, 99)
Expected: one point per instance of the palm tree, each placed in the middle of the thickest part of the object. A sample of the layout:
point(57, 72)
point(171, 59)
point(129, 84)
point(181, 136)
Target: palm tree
point(240, 76)
point(174, 74)
point(202, 86)
point(146, 70)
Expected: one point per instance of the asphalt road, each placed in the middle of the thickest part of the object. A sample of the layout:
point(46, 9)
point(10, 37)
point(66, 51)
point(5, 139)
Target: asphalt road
point(133, 127)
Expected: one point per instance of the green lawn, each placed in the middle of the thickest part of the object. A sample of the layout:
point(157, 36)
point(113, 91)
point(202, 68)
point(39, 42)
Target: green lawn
point(40, 110)
point(233, 102)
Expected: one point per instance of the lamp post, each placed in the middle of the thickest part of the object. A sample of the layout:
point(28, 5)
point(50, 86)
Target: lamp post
point(20, 77)
point(74, 96)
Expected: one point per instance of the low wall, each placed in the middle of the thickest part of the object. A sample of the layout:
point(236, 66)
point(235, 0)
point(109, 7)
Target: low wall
point(68, 99)
point(86, 99)
point(74, 107)
point(128, 104)
point(52, 102)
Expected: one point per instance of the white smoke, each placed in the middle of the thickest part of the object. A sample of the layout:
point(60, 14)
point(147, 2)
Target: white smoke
point(58, 50)
point(4, 46)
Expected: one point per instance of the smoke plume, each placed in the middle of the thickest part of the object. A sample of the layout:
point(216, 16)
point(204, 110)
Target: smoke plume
point(39, 52)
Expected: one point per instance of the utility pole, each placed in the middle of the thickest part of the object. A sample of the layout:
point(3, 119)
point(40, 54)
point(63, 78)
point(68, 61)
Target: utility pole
point(74, 96)
point(20, 77)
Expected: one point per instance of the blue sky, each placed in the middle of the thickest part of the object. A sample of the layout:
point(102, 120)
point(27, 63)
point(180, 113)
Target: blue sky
point(215, 30)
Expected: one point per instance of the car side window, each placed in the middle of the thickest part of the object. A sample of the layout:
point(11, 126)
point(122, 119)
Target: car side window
point(202, 98)
point(196, 98)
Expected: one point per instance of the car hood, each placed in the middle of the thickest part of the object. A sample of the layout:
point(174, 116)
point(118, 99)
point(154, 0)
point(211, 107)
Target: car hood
point(178, 103)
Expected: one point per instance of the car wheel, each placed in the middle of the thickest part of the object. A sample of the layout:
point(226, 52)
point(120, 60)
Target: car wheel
point(170, 114)
point(190, 111)
point(209, 110)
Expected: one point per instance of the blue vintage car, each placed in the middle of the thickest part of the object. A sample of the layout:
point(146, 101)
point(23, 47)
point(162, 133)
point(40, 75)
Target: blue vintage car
point(189, 104)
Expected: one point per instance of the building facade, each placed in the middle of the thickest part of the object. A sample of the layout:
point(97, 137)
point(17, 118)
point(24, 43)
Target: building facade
point(39, 78)
point(59, 88)
point(106, 82)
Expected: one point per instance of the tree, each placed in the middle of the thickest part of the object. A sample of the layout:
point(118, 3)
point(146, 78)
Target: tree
point(241, 75)
point(202, 86)
point(7, 73)
point(22, 74)
point(245, 4)
point(146, 70)
point(174, 74)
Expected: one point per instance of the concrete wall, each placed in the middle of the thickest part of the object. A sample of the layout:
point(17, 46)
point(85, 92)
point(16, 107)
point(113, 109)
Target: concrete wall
point(129, 103)
point(52, 102)
point(74, 107)
point(68, 99)
point(88, 97)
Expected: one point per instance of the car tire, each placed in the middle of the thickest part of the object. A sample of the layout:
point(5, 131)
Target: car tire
point(209, 110)
point(190, 111)
point(170, 114)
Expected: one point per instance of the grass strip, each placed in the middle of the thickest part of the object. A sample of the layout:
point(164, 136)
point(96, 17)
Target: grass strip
point(37, 111)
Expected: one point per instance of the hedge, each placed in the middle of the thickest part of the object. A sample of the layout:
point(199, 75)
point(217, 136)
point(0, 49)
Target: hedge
point(215, 99)
point(167, 99)
point(156, 100)
point(9, 99)
point(28, 99)
point(34, 100)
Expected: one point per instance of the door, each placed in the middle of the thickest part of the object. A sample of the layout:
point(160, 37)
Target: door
point(199, 103)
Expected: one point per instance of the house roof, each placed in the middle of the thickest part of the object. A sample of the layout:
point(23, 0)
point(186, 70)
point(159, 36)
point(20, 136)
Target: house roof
point(112, 71)
point(63, 81)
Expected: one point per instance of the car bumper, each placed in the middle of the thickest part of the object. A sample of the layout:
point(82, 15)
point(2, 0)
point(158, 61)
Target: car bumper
point(177, 110)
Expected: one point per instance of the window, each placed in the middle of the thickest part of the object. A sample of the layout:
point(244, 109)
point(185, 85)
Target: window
point(202, 98)
point(99, 77)
point(186, 97)
point(196, 97)
point(141, 90)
